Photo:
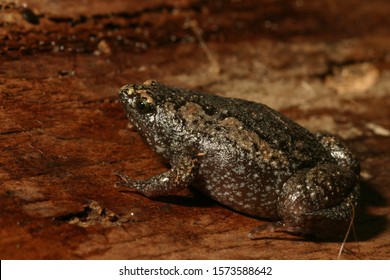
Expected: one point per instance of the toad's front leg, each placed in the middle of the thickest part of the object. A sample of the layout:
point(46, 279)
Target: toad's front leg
point(180, 176)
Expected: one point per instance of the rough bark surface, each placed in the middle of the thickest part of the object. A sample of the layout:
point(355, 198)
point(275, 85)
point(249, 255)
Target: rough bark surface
point(63, 135)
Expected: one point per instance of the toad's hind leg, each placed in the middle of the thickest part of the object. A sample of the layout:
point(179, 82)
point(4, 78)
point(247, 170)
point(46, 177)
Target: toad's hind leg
point(339, 151)
point(320, 201)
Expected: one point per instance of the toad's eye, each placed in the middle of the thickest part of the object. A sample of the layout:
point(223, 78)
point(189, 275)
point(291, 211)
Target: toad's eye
point(145, 103)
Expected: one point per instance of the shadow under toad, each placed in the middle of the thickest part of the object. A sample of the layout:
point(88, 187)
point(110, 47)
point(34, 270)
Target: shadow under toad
point(366, 225)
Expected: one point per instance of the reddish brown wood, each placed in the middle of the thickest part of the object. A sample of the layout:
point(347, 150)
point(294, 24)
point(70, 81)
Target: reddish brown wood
point(63, 135)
